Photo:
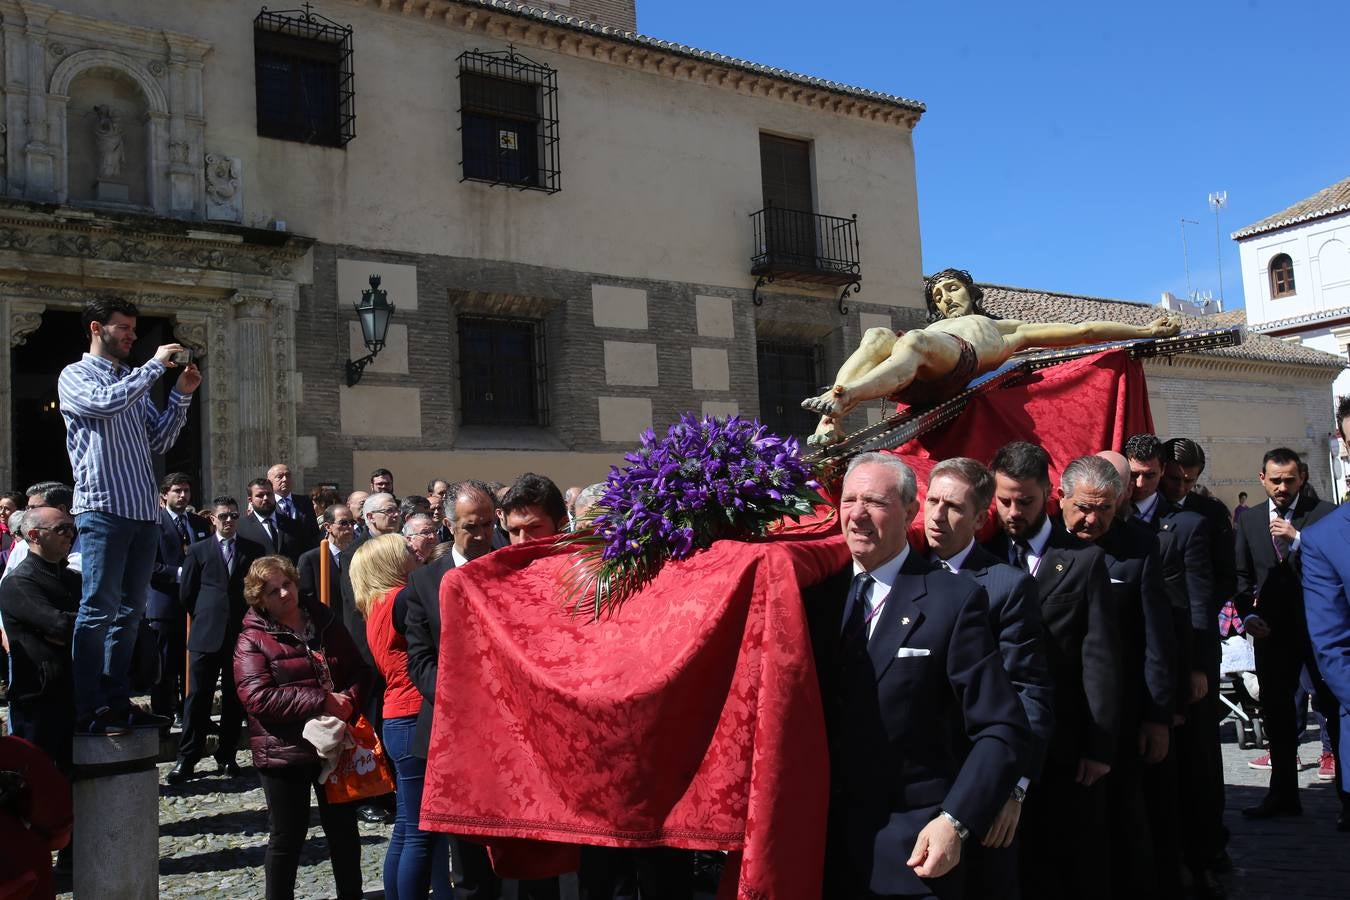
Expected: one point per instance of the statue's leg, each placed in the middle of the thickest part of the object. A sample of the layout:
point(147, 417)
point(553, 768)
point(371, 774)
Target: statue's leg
point(874, 349)
point(915, 353)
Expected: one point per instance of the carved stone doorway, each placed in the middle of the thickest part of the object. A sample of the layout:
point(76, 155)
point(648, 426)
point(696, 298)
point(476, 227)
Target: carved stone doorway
point(39, 431)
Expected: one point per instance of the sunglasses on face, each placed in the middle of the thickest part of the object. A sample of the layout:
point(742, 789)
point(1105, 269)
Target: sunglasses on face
point(65, 529)
point(227, 517)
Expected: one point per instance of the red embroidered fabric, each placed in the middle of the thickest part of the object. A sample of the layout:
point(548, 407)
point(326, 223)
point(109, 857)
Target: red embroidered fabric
point(691, 718)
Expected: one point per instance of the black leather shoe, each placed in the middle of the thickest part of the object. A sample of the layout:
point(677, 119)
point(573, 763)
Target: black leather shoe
point(140, 718)
point(1272, 807)
point(181, 772)
point(229, 768)
point(373, 815)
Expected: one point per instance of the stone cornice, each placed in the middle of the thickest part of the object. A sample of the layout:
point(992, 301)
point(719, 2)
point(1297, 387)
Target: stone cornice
point(1216, 366)
point(526, 27)
point(1294, 323)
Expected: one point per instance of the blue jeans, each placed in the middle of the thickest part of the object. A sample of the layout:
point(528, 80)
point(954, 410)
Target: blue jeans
point(118, 555)
point(416, 859)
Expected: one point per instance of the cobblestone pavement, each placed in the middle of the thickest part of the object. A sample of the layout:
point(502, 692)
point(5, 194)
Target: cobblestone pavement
point(213, 833)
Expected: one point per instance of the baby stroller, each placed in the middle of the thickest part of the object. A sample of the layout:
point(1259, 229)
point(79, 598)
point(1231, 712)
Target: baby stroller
point(1238, 688)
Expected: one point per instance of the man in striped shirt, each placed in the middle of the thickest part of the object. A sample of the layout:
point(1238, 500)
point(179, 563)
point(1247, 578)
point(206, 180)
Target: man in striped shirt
point(112, 426)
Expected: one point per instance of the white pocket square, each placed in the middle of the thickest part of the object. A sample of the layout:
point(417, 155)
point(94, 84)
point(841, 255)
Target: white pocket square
point(911, 651)
point(1117, 580)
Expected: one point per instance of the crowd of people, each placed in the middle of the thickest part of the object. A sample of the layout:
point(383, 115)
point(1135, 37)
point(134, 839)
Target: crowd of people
point(1018, 701)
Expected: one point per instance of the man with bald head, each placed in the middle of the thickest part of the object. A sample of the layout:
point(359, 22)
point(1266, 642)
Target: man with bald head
point(39, 602)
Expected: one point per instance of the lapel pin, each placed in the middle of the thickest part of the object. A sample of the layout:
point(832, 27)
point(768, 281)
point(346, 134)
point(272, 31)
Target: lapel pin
point(905, 620)
point(1059, 567)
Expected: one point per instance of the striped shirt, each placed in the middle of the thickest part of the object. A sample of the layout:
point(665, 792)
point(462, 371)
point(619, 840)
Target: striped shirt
point(112, 426)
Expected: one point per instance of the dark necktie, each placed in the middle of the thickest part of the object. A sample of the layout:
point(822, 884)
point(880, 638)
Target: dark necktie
point(227, 548)
point(1280, 544)
point(284, 506)
point(854, 633)
point(182, 531)
point(271, 532)
point(1022, 555)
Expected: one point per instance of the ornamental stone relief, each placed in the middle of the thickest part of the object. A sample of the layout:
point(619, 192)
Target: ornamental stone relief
point(155, 252)
point(224, 196)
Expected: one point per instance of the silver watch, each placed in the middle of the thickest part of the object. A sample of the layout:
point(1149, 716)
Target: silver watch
point(961, 831)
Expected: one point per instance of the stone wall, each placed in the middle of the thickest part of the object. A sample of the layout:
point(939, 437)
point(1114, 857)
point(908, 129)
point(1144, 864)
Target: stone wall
point(622, 355)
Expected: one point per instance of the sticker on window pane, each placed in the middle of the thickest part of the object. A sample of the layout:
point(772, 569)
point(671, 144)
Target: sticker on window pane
point(506, 140)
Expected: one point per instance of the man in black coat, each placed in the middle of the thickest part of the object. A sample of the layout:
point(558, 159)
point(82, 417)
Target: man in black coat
point(39, 601)
point(212, 591)
point(1200, 756)
point(278, 535)
point(1270, 598)
point(1065, 847)
point(924, 727)
point(296, 507)
point(955, 507)
point(178, 530)
point(336, 528)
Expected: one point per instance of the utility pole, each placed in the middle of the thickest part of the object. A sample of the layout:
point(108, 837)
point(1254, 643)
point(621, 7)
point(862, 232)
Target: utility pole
point(1186, 256)
point(1217, 201)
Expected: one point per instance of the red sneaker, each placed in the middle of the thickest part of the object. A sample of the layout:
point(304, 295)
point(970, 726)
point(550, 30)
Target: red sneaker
point(1261, 762)
point(1326, 769)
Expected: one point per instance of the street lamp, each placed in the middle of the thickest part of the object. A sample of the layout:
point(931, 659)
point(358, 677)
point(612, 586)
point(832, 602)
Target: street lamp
point(374, 311)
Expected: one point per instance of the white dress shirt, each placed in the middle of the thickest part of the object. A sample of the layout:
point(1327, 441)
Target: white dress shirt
point(957, 559)
point(458, 557)
point(883, 579)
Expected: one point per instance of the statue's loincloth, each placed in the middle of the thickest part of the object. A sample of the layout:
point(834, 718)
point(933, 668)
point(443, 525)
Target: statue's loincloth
point(926, 393)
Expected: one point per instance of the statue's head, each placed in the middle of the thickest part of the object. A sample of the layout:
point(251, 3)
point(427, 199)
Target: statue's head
point(951, 293)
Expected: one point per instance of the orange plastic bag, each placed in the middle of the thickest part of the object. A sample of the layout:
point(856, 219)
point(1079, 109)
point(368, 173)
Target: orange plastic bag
point(362, 771)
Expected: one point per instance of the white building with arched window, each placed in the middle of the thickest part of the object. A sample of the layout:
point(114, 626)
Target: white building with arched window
point(1296, 277)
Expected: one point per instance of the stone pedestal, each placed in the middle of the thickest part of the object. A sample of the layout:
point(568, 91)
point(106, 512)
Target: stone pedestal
point(116, 789)
point(106, 191)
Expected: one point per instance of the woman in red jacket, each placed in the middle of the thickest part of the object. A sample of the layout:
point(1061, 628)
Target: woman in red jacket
point(416, 860)
point(294, 662)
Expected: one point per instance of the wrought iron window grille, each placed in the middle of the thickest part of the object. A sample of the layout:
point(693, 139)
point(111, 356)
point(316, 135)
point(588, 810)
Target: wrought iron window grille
point(503, 371)
point(508, 120)
point(806, 247)
point(787, 373)
point(303, 74)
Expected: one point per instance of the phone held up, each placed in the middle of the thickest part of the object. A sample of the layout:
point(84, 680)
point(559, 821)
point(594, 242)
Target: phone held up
point(182, 358)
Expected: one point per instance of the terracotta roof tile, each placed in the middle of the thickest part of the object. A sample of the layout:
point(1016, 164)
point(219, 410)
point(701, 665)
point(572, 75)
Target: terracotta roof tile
point(1326, 202)
point(1047, 306)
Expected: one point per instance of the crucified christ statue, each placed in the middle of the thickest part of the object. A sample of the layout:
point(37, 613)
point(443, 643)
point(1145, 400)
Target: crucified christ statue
point(935, 363)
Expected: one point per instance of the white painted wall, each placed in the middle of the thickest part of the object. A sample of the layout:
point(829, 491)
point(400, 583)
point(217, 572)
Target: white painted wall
point(1321, 254)
point(659, 175)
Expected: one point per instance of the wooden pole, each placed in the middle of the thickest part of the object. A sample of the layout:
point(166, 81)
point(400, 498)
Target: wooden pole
point(324, 576)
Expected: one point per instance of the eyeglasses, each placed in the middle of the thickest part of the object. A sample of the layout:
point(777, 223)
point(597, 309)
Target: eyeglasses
point(227, 517)
point(65, 529)
point(387, 511)
point(417, 534)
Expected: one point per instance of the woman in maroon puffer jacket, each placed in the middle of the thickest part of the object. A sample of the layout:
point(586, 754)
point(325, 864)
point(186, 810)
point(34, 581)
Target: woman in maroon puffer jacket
point(293, 662)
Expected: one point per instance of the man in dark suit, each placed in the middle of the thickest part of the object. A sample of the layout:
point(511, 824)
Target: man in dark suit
point(336, 528)
point(1270, 598)
point(212, 590)
point(1326, 574)
point(955, 507)
point(924, 726)
point(178, 529)
point(1065, 849)
point(297, 508)
point(278, 535)
point(1146, 857)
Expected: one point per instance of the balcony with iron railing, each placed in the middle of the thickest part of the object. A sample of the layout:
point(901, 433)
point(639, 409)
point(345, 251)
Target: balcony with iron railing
point(805, 247)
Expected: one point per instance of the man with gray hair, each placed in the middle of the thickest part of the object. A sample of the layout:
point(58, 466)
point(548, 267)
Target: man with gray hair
point(909, 673)
point(1059, 859)
point(581, 507)
point(955, 507)
point(419, 530)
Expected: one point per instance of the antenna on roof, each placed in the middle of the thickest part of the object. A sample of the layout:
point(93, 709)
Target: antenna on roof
point(1186, 256)
point(1217, 201)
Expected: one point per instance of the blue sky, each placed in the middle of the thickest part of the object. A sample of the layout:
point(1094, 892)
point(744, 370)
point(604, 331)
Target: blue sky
point(1064, 142)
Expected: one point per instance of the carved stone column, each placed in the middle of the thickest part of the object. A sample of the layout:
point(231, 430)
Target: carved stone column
point(39, 159)
point(253, 377)
point(20, 319)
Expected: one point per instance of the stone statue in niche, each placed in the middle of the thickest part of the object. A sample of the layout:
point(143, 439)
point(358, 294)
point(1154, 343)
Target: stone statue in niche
point(108, 139)
point(224, 197)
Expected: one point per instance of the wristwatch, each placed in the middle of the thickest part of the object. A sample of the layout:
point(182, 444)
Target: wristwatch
point(1019, 793)
point(961, 831)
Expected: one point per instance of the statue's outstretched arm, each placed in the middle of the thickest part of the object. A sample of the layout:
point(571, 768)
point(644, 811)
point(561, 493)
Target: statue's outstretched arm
point(1027, 335)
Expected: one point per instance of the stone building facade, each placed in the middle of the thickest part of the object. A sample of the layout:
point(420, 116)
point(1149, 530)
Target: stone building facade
point(584, 231)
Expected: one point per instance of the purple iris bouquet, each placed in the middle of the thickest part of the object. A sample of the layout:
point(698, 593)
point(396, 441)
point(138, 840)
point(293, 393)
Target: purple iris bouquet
point(707, 479)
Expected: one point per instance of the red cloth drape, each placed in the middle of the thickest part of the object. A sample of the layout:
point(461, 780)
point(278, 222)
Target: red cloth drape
point(691, 718)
